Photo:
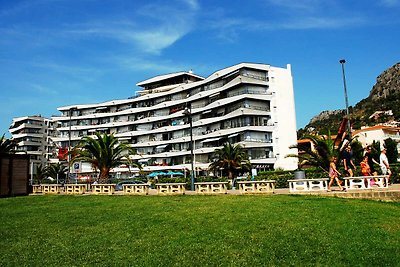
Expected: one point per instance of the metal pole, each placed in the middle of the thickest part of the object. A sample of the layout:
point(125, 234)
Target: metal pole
point(188, 112)
point(342, 62)
point(191, 149)
point(69, 145)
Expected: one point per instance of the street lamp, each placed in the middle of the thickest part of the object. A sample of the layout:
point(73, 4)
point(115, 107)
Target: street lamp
point(188, 112)
point(69, 142)
point(342, 62)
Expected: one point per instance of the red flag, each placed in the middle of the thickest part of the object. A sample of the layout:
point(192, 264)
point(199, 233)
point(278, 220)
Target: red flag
point(62, 153)
point(341, 132)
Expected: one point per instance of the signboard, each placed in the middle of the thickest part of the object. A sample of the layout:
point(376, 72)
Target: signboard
point(76, 167)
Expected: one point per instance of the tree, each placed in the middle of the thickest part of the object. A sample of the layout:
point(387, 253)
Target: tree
point(41, 173)
point(103, 152)
point(391, 150)
point(6, 145)
point(322, 150)
point(231, 159)
point(56, 171)
point(319, 153)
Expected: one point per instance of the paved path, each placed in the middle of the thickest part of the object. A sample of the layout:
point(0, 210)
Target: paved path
point(392, 193)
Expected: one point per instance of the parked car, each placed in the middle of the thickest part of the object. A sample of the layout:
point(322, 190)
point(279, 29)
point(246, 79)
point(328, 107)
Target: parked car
point(119, 185)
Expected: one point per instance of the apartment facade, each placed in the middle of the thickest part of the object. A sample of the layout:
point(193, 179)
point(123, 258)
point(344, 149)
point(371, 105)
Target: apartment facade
point(33, 134)
point(250, 104)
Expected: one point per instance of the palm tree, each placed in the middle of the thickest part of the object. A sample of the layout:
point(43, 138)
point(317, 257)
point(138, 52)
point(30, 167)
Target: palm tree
point(56, 171)
point(323, 149)
point(230, 158)
point(41, 173)
point(319, 153)
point(6, 145)
point(103, 152)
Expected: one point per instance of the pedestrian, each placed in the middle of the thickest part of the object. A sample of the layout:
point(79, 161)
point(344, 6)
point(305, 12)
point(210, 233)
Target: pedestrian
point(371, 160)
point(366, 171)
point(365, 168)
point(384, 163)
point(348, 162)
point(334, 175)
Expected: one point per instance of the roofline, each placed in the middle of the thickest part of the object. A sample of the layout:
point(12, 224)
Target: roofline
point(167, 76)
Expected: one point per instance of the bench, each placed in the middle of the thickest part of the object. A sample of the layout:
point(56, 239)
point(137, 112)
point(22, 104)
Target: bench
point(171, 188)
point(257, 187)
point(74, 189)
point(135, 189)
point(103, 189)
point(50, 188)
point(364, 182)
point(37, 189)
point(308, 185)
point(211, 187)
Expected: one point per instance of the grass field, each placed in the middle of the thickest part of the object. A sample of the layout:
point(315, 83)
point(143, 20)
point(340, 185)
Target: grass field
point(198, 231)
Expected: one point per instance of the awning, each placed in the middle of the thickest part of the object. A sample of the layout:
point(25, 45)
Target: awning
point(211, 140)
point(214, 95)
point(143, 160)
point(161, 146)
point(233, 135)
point(124, 138)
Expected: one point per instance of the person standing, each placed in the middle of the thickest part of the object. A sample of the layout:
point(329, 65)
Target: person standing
point(348, 162)
point(371, 160)
point(333, 175)
point(384, 163)
point(366, 171)
point(365, 168)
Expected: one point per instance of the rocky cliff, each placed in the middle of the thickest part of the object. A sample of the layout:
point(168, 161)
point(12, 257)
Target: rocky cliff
point(384, 96)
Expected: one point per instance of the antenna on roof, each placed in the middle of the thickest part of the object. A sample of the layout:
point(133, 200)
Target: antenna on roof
point(191, 71)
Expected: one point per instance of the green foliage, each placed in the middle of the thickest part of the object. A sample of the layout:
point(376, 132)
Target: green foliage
point(358, 151)
point(391, 150)
point(41, 174)
point(231, 159)
point(319, 154)
point(277, 230)
point(201, 179)
point(6, 145)
point(56, 170)
point(103, 153)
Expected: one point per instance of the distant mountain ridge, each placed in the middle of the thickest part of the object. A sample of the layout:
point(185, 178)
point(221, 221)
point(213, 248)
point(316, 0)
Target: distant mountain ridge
point(384, 96)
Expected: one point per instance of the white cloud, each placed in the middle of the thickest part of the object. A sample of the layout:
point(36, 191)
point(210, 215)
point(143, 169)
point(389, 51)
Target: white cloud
point(321, 23)
point(193, 4)
point(298, 5)
point(152, 29)
point(390, 3)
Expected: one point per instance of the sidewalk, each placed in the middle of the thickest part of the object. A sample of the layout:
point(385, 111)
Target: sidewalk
point(390, 194)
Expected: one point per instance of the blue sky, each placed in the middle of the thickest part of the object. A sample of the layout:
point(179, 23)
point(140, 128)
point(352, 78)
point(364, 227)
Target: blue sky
point(60, 52)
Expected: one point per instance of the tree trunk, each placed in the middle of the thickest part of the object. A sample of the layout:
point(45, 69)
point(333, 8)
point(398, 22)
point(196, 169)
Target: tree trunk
point(104, 175)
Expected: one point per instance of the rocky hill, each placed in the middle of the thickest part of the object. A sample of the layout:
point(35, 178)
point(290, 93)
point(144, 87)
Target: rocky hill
point(382, 105)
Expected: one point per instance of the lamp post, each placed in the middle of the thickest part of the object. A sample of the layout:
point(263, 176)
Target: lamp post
point(188, 112)
point(342, 62)
point(69, 142)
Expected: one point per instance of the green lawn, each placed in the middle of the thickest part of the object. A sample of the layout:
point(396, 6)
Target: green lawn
point(198, 231)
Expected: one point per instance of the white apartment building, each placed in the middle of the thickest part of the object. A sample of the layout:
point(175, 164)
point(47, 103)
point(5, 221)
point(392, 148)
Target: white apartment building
point(367, 135)
point(250, 104)
point(32, 134)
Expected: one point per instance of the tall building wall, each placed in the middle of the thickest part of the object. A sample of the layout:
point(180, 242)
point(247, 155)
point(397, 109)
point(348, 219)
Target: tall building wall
point(250, 104)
